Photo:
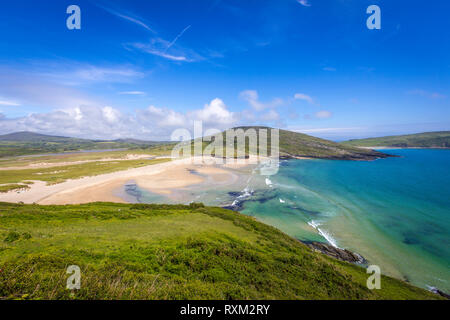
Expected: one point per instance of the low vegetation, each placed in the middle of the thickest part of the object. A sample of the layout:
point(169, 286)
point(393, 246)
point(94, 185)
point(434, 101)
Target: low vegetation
point(60, 174)
point(144, 251)
point(420, 140)
point(29, 143)
point(10, 187)
point(293, 144)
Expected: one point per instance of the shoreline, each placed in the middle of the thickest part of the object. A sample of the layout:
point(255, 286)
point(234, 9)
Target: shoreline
point(161, 178)
point(399, 148)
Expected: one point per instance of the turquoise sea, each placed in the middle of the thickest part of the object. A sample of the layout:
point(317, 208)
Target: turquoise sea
point(395, 211)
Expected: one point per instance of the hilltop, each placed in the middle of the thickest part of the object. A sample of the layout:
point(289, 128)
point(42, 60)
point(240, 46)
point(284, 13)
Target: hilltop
point(440, 139)
point(141, 251)
point(292, 145)
point(296, 145)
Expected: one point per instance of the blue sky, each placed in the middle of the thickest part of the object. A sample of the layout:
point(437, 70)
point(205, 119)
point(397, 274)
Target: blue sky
point(144, 68)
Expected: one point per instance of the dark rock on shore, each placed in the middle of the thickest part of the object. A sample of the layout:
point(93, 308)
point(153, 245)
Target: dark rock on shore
point(337, 253)
point(439, 292)
point(369, 155)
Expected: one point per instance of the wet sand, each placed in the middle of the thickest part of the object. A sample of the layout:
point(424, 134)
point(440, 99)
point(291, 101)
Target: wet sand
point(162, 178)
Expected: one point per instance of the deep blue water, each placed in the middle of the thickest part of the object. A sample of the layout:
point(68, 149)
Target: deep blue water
point(394, 211)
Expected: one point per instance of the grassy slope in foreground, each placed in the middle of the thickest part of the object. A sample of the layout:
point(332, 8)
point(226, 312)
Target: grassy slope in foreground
point(141, 251)
point(420, 140)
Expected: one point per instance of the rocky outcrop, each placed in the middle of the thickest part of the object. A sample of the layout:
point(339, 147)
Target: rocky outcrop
point(439, 292)
point(337, 253)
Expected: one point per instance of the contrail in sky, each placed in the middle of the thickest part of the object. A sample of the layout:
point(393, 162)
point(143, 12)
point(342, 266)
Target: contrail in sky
point(178, 37)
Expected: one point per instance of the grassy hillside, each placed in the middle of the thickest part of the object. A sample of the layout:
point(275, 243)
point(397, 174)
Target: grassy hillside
point(294, 144)
point(168, 252)
point(298, 144)
point(28, 143)
point(420, 140)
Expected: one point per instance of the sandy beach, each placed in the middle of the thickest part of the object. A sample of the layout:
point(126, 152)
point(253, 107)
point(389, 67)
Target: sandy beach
point(161, 178)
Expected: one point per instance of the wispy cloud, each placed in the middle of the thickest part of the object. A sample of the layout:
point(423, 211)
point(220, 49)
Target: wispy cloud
point(304, 97)
point(251, 96)
point(427, 94)
point(9, 103)
point(329, 130)
point(133, 93)
point(151, 49)
point(101, 74)
point(304, 3)
point(129, 17)
point(323, 114)
point(331, 69)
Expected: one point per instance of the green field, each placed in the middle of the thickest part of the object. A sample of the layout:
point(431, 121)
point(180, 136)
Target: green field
point(60, 174)
point(139, 251)
point(29, 143)
point(420, 140)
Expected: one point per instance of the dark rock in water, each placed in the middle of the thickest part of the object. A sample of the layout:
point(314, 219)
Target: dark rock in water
point(410, 241)
point(234, 193)
point(439, 292)
point(341, 254)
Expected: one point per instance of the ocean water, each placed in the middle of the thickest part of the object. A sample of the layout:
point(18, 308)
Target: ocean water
point(395, 211)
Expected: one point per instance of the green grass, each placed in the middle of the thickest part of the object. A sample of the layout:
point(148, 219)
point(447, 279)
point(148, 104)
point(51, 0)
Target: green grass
point(23, 161)
point(419, 140)
point(60, 174)
point(11, 187)
point(168, 252)
point(294, 144)
point(29, 143)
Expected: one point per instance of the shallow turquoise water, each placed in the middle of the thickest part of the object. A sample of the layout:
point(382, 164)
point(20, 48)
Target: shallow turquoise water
point(395, 211)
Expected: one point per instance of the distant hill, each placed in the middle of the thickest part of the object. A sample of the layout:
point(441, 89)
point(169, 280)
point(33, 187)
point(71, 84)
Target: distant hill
point(26, 136)
point(440, 139)
point(293, 144)
point(28, 143)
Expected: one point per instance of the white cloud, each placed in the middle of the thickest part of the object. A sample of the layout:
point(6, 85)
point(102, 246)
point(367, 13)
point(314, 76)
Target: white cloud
point(331, 69)
point(58, 85)
point(111, 115)
point(329, 130)
point(128, 17)
point(214, 113)
point(99, 74)
point(270, 116)
point(323, 114)
point(304, 97)
point(160, 52)
point(304, 3)
point(427, 94)
point(251, 96)
point(133, 93)
point(9, 103)
point(106, 122)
